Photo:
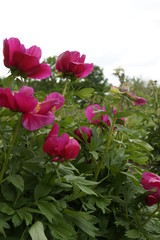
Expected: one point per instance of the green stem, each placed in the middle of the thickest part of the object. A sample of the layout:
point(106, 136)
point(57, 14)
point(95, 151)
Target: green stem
point(5, 163)
point(65, 87)
point(150, 216)
point(106, 149)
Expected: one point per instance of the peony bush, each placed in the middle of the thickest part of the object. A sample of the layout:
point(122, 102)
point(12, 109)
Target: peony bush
point(67, 176)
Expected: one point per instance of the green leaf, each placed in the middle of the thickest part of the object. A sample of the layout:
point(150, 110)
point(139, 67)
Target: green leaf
point(16, 220)
point(94, 154)
point(17, 181)
point(36, 231)
point(49, 210)
point(86, 189)
point(6, 209)
point(142, 144)
point(7, 82)
point(84, 221)
point(133, 233)
point(25, 216)
point(3, 225)
point(68, 232)
point(41, 190)
point(85, 93)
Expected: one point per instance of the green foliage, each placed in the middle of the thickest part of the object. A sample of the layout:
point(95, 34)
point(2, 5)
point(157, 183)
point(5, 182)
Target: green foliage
point(95, 196)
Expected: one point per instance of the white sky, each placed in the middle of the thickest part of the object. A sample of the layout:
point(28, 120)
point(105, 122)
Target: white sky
point(111, 33)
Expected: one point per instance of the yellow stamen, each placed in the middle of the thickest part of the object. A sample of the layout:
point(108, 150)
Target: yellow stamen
point(37, 108)
point(54, 109)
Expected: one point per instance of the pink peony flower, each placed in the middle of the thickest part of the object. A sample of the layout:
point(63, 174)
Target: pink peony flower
point(94, 109)
point(152, 199)
point(137, 100)
point(22, 101)
point(73, 64)
point(83, 129)
point(35, 114)
point(151, 182)
point(43, 114)
point(60, 147)
point(26, 61)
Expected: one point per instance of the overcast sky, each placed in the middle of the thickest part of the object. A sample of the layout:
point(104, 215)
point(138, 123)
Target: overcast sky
point(111, 33)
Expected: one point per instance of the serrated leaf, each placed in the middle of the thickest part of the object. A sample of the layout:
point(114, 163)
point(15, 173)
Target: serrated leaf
point(17, 181)
point(36, 231)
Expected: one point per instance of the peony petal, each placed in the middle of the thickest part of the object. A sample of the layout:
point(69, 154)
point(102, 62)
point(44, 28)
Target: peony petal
point(81, 70)
point(61, 142)
point(83, 129)
point(71, 149)
point(33, 121)
point(6, 52)
point(41, 71)
point(90, 112)
point(34, 51)
point(7, 99)
point(45, 107)
point(25, 103)
point(14, 46)
point(25, 62)
point(63, 60)
point(28, 91)
point(152, 199)
point(54, 131)
point(57, 98)
point(150, 181)
point(50, 146)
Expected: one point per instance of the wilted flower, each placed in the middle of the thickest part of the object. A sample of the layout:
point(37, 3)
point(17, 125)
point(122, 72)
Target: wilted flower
point(62, 147)
point(72, 64)
point(24, 61)
point(83, 130)
point(35, 114)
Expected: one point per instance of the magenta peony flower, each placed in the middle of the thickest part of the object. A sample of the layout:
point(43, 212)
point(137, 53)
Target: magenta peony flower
point(60, 147)
point(137, 100)
point(83, 129)
point(35, 115)
point(152, 199)
point(151, 182)
point(94, 109)
point(70, 63)
point(26, 61)
point(22, 101)
point(43, 114)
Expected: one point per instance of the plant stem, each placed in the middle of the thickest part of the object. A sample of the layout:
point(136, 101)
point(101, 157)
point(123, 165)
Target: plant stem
point(5, 163)
point(106, 149)
point(150, 216)
point(65, 87)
